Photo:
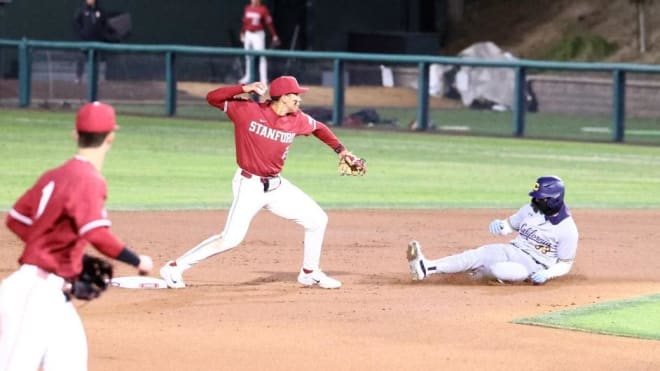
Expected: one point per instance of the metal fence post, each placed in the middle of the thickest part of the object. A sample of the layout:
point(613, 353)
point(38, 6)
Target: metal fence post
point(338, 106)
point(92, 75)
point(423, 97)
point(24, 73)
point(170, 81)
point(618, 105)
point(519, 102)
point(252, 72)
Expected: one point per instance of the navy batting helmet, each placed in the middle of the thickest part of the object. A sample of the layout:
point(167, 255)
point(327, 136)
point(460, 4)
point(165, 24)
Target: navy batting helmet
point(548, 194)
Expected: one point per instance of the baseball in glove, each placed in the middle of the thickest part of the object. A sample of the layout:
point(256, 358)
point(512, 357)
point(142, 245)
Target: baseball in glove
point(93, 280)
point(349, 164)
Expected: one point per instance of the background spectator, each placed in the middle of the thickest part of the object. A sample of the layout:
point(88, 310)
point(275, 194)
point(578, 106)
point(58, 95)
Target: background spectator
point(89, 24)
point(255, 17)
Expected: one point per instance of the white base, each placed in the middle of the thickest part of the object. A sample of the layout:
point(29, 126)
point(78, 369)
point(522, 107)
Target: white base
point(138, 282)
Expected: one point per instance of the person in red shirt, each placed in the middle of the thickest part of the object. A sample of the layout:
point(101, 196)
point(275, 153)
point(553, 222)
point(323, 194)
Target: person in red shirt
point(56, 218)
point(255, 17)
point(263, 133)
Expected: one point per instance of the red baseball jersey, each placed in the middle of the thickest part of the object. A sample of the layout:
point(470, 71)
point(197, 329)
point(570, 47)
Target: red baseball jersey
point(262, 137)
point(256, 17)
point(63, 205)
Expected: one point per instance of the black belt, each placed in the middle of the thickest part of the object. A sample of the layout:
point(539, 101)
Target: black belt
point(264, 180)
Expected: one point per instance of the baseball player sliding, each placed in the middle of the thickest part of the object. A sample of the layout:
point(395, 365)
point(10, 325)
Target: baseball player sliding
point(544, 248)
point(56, 219)
point(263, 133)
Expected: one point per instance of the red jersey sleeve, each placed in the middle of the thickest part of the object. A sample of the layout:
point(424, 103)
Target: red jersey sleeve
point(16, 226)
point(88, 208)
point(19, 218)
point(105, 242)
point(268, 21)
point(328, 137)
point(221, 96)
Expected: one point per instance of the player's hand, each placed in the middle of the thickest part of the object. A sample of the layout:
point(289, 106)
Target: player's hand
point(539, 277)
point(496, 227)
point(257, 87)
point(500, 227)
point(146, 265)
point(276, 42)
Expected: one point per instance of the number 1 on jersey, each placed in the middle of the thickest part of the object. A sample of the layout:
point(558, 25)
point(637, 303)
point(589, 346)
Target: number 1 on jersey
point(46, 193)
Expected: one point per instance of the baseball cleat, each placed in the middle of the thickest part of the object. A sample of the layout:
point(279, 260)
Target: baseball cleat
point(318, 278)
point(173, 275)
point(416, 261)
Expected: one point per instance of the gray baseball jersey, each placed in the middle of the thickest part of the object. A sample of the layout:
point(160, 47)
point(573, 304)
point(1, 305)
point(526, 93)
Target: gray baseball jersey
point(546, 239)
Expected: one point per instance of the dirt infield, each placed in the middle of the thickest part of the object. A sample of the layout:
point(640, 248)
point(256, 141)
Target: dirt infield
point(243, 309)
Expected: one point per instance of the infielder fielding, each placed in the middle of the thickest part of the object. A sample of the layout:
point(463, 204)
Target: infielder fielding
point(256, 17)
point(56, 218)
point(263, 133)
point(544, 248)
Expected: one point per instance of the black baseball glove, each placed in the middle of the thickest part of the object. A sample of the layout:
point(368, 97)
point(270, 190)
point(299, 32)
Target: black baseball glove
point(93, 280)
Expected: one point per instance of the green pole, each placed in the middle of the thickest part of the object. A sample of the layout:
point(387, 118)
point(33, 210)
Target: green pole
point(92, 75)
point(170, 79)
point(338, 81)
point(618, 105)
point(423, 97)
point(519, 102)
point(24, 74)
point(253, 69)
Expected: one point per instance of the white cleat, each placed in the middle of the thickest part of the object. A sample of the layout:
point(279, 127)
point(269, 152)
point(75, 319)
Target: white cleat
point(319, 278)
point(416, 261)
point(173, 275)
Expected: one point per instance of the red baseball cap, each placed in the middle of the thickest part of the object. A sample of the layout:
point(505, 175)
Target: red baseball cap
point(284, 85)
point(96, 117)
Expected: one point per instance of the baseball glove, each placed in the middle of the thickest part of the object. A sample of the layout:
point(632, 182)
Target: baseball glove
point(349, 164)
point(93, 280)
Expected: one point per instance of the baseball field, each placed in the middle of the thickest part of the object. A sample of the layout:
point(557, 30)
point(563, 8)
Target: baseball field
point(169, 186)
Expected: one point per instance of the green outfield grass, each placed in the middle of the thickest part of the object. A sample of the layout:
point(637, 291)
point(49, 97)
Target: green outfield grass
point(161, 163)
point(637, 317)
point(551, 126)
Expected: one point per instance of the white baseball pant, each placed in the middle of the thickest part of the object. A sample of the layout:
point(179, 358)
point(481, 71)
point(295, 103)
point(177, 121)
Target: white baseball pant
point(255, 41)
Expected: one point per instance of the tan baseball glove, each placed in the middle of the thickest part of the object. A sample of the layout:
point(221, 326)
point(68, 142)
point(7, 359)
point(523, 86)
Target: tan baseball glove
point(349, 164)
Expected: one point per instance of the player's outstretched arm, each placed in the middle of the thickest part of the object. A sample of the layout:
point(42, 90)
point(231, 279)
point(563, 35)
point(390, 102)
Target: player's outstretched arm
point(500, 227)
point(557, 270)
point(106, 242)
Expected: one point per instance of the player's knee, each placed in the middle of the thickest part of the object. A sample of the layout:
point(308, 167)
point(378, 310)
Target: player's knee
point(227, 244)
point(509, 271)
point(318, 220)
point(230, 240)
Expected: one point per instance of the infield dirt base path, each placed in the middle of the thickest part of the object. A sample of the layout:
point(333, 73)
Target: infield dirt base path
point(243, 309)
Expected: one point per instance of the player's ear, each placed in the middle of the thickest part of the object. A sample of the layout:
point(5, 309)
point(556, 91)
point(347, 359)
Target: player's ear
point(110, 138)
point(74, 135)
